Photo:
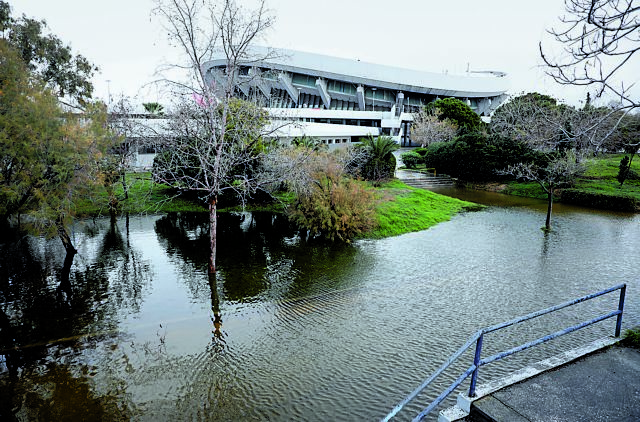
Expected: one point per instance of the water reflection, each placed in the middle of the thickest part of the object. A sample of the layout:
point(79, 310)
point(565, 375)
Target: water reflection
point(288, 329)
point(55, 393)
point(53, 308)
point(260, 255)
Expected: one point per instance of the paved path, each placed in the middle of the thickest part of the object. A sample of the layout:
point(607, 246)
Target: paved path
point(603, 386)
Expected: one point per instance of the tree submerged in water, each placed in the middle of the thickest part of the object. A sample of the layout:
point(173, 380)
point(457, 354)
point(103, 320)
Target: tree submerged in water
point(214, 140)
point(560, 171)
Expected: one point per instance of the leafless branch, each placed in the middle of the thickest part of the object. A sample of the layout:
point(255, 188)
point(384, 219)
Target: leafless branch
point(598, 38)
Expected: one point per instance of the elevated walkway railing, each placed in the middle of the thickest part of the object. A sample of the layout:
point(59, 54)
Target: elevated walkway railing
point(478, 337)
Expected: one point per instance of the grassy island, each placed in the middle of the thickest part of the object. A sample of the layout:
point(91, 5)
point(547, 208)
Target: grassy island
point(399, 208)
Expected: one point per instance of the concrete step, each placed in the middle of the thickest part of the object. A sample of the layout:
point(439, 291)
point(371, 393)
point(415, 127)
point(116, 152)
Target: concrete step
point(429, 181)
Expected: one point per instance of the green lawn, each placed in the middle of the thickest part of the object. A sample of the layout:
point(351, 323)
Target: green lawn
point(599, 181)
point(404, 209)
point(145, 197)
point(400, 208)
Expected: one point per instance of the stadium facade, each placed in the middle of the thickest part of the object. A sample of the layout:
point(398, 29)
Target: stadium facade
point(338, 100)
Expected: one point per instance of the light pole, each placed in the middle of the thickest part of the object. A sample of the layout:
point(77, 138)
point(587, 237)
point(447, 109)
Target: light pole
point(108, 91)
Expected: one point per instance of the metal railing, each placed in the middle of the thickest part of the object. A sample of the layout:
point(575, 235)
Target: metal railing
point(478, 337)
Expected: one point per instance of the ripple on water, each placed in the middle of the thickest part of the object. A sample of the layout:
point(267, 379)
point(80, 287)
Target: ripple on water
point(344, 333)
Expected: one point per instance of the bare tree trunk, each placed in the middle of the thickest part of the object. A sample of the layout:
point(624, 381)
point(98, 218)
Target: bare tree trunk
point(213, 224)
point(547, 224)
point(125, 188)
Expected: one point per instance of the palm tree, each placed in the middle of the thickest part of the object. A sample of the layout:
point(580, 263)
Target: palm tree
point(382, 163)
point(154, 108)
point(309, 142)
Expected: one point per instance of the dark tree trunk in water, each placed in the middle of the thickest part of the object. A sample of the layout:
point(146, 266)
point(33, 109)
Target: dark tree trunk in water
point(64, 288)
point(547, 225)
point(65, 238)
point(213, 221)
point(8, 337)
point(215, 308)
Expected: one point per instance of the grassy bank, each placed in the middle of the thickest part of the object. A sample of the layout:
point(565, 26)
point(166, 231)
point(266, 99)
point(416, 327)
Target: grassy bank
point(399, 208)
point(145, 197)
point(404, 209)
point(597, 188)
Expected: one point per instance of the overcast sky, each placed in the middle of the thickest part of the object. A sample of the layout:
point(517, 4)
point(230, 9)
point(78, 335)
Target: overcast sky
point(127, 43)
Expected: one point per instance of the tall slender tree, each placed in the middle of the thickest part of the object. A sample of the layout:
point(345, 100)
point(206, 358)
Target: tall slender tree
point(210, 149)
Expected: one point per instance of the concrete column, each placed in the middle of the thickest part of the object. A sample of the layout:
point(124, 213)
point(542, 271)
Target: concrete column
point(286, 82)
point(257, 81)
point(484, 106)
point(399, 103)
point(321, 85)
point(360, 97)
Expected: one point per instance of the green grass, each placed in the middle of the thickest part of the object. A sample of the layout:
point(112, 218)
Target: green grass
point(606, 167)
point(599, 179)
point(145, 197)
point(528, 189)
point(400, 208)
point(404, 209)
point(632, 338)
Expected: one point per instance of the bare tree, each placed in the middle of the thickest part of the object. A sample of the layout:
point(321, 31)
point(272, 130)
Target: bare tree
point(543, 124)
point(115, 165)
point(599, 38)
point(427, 128)
point(560, 134)
point(213, 139)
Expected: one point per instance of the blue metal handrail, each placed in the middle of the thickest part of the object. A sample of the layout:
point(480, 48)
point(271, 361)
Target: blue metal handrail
point(478, 339)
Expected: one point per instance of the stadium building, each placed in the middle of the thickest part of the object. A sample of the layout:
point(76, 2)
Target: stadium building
point(338, 100)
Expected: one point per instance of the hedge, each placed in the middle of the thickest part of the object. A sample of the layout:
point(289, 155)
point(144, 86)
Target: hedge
point(600, 200)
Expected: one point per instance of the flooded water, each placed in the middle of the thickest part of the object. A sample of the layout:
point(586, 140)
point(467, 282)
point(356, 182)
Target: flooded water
point(289, 329)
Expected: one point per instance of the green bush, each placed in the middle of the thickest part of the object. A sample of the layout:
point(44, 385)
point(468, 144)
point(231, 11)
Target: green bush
point(477, 157)
point(421, 151)
point(411, 159)
point(336, 209)
point(459, 113)
point(381, 163)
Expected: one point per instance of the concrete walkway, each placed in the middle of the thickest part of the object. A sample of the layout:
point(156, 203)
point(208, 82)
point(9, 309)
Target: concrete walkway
point(603, 386)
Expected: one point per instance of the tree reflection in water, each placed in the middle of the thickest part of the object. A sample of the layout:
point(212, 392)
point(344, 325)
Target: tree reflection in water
point(50, 309)
point(55, 393)
point(260, 257)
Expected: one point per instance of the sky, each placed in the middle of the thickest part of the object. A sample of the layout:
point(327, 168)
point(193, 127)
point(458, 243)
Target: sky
point(127, 42)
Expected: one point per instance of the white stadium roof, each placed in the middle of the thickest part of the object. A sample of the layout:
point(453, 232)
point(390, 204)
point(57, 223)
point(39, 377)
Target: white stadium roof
point(473, 84)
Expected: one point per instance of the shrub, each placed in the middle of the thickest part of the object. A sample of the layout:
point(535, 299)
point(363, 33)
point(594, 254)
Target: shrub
point(632, 338)
point(476, 157)
point(337, 208)
point(421, 151)
point(381, 163)
point(601, 200)
point(459, 113)
point(411, 159)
